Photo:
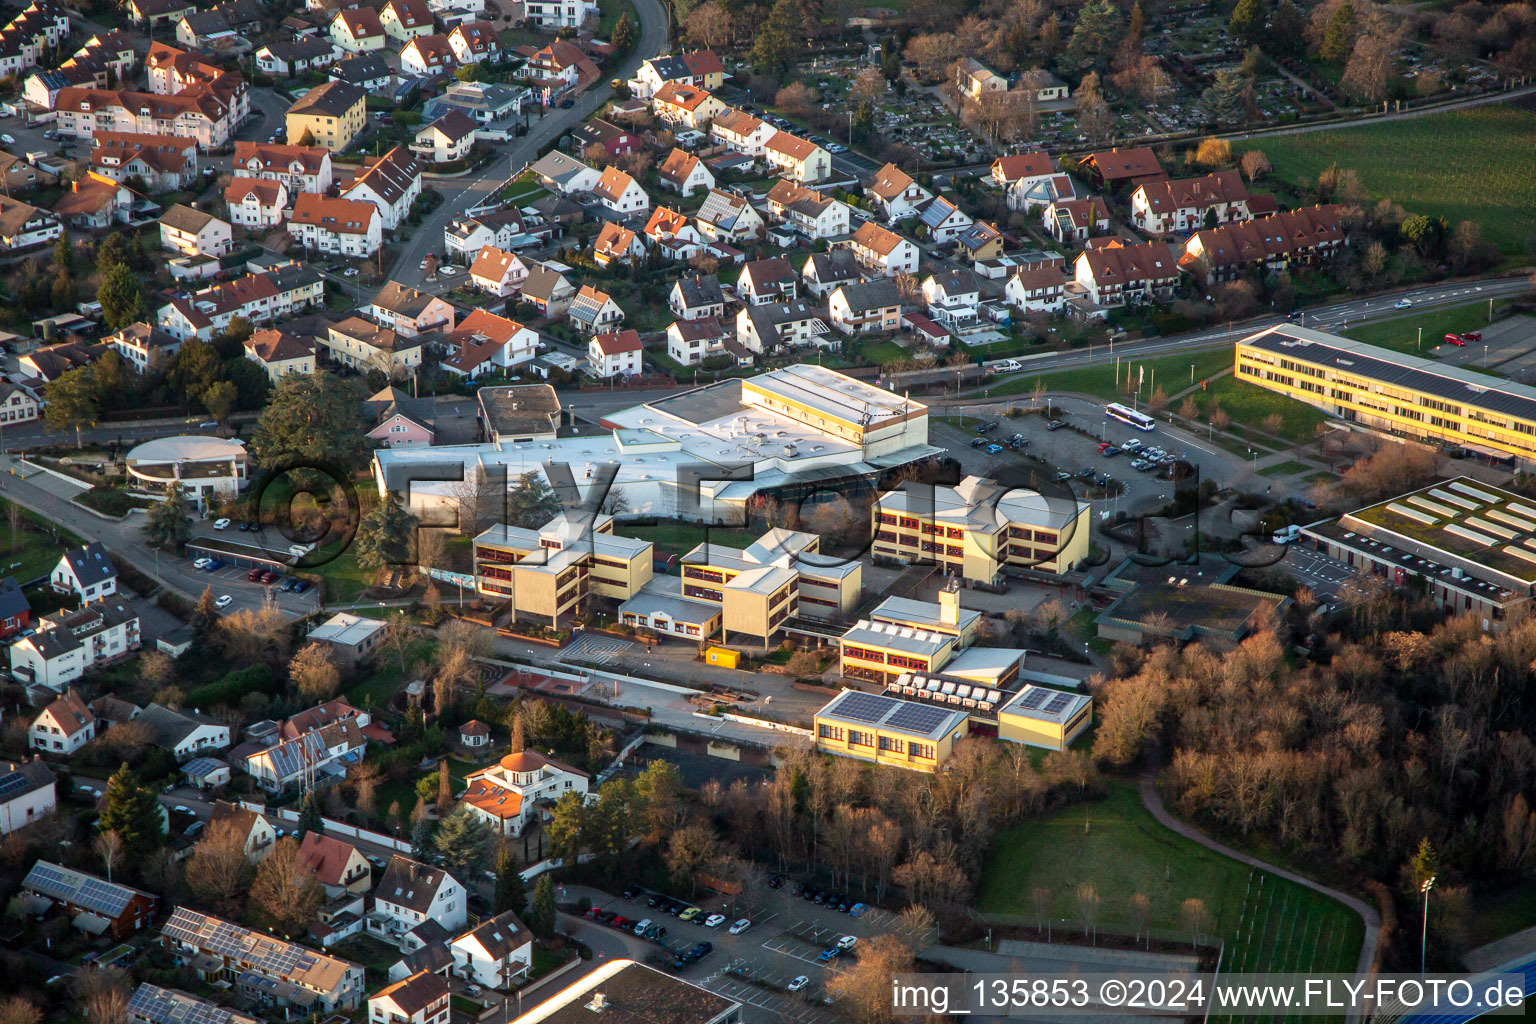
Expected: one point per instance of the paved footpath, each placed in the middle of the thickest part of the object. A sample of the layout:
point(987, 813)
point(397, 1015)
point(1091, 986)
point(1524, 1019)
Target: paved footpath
point(1153, 802)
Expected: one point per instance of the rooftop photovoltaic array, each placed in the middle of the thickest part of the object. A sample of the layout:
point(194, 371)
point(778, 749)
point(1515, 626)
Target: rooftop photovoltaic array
point(79, 889)
point(1042, 702)
point(865, 707)
point(162, 1006)
point(873, 709)
point(918, 717)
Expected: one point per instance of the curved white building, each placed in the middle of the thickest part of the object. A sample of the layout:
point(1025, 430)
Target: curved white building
point(202, 466)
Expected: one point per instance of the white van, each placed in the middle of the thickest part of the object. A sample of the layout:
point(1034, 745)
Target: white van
point(1004, 366)
point(1286, 535)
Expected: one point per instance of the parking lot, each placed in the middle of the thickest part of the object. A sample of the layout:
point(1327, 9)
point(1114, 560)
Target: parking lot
point(784, 942)
point(1323, 574)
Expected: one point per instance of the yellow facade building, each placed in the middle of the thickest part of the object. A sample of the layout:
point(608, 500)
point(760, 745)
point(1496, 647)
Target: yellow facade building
point(885, 730)
point(974, 529)
point(1392, 391)
point(329, 116)
point(549, 573)
point(1043, 717)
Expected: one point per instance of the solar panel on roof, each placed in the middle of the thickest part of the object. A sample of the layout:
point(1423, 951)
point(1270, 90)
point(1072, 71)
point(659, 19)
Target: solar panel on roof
point(863, 707)
point(12, 783)
point(918, 718)
point(1058, 704)
point(1032, 699)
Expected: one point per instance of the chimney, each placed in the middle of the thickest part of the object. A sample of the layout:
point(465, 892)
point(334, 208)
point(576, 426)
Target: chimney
point(599, 1003)
point(949, 604)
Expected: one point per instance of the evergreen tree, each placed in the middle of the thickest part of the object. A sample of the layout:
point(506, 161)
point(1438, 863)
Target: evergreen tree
point(1093, 38)
point(112, 251)
point(464, 841)
point(624, 34)
point(1339, 37)
point(122, 296)
point(421, 837)
point(73, 401)
point(64, 255)
point(1284, 38)
point(165, 522)
point(311, 817)
point(532, 503)
point(133, 812)
point(1137, 26)
point(1247, 21)
point(384, 536)
point(311, 420)
point(510, 894)
point(542, 910)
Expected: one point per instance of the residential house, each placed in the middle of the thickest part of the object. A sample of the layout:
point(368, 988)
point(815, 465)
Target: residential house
point(621, 193)
point(1074, 221)
point(547, 290)
point(1029, 194)
point(883, 251)
point(344, 227)
point(616, 142)
point(558, 67)
point(798, 159)
point(208, 30)
point(565, 174)
point(24, 226)
point(700, 68)
point(18, 403)
point(975, 80)
point(1189, 204)
point(358, 30)
point(110, 711)
point(300, 168)
point(256, 204)
point(871, 307)
point(329, 116)
point(264, 969)
point(486, 343)
point(150, 13)
point(391, 182)
point(557, 14)
point(86, 572)
point(151, 1004)
point(695, 296)
point(256, 831)
point(408, 311)
point(815, 214)
point(363, 345)
point(279, 353)
point(296, 56)
point(615, 354)
point(475, 42)
point(96, 905)
point(683, 172)
point(163, 163)
point(1007, 171)
point(184, 733)
point(197, 113)
point(63, 727)
point(282, 290)
point(981, 241)
point(143, 345)
point(484, 102)
point(616, 244)
point(592, 311)
point(420, 999)
point(174, 72)
point(1037, 289)
point(402, 422)
point(404, 20)
point(323, 753)
point(464, 237)
point(16, 175)
point(952, 297)
point(194, 232)
point(943, 220)
point(824, 271)
point(67, 644)
point(1269, 244)
point(496, 954)
point(428, 55)
point(742, 132)
point(335, 864)
point(51, 362)
point(366, 71)
point(1112, 168)
point(673, 234)
point(727, 217)
point(770, 280)
point(896, 193)
point(691, 342)
point(1117, 274)
point(27, 794)
point(411, 892)
point(508, 795)
point(686, 106)
point(95, 203)
point(15, 609)
point(497, 272)
point(776, 325)
point(448, 139)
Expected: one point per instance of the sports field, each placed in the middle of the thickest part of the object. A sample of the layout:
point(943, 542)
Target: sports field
point(1461, 165)
point(1267, 923)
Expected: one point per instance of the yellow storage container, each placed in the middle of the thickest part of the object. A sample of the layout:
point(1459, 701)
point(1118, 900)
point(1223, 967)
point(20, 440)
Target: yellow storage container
point(723, 657)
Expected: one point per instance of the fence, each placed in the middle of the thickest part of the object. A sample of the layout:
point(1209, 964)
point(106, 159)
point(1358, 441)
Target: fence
point(339, 828)
point(1066, 926)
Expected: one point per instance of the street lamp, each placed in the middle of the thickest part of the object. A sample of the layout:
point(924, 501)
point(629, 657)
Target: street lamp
point(1428, 884)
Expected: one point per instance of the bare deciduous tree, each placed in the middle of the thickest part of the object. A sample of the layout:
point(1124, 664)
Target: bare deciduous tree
point(285, 889)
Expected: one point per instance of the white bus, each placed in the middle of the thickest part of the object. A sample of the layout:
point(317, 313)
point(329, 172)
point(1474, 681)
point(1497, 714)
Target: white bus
point(1130, 416)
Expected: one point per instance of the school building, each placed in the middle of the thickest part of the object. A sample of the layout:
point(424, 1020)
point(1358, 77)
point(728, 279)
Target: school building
point(549, 573)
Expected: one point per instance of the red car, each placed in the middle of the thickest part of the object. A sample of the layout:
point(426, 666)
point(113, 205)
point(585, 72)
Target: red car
point(1454, 339)
point(255, 575)
point(1104, 444)
point(271, 577)
point(1471, 335)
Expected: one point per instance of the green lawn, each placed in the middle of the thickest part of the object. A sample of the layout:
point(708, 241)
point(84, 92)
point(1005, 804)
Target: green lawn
point(1250, 404)
point(345, 580)
point(1497, 914)
point(882, 353)
point(680, 538)
point(32, 556)
point(1115, 845)
point(1461, 165)
point(1402, 333)
point(1289, 468)
point(374, 689)
point(1172, 374)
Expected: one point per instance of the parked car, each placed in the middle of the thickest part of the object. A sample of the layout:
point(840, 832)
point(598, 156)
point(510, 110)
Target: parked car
point(301, 587)
point(1130, 445)
point(714, 920)
point(826, 956)
point(689, 914)
point(201, 563)
point(214, 565)
point(640, 928)
point(473, 990)
point(740, 926)
point(631, 893)
point(1054, 425)
point(254, 574)
point(799, 983)
point(858, 910)
point(1454, 339)
point(269, 577)
point(847, 942)
point(224, 601)
point(994, 449)
point(1062, 477)
point(1104, 444)
point(978, 442)
point(221, 524)
point(775, 881)
point(1112, 451)
point(1471, 335)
